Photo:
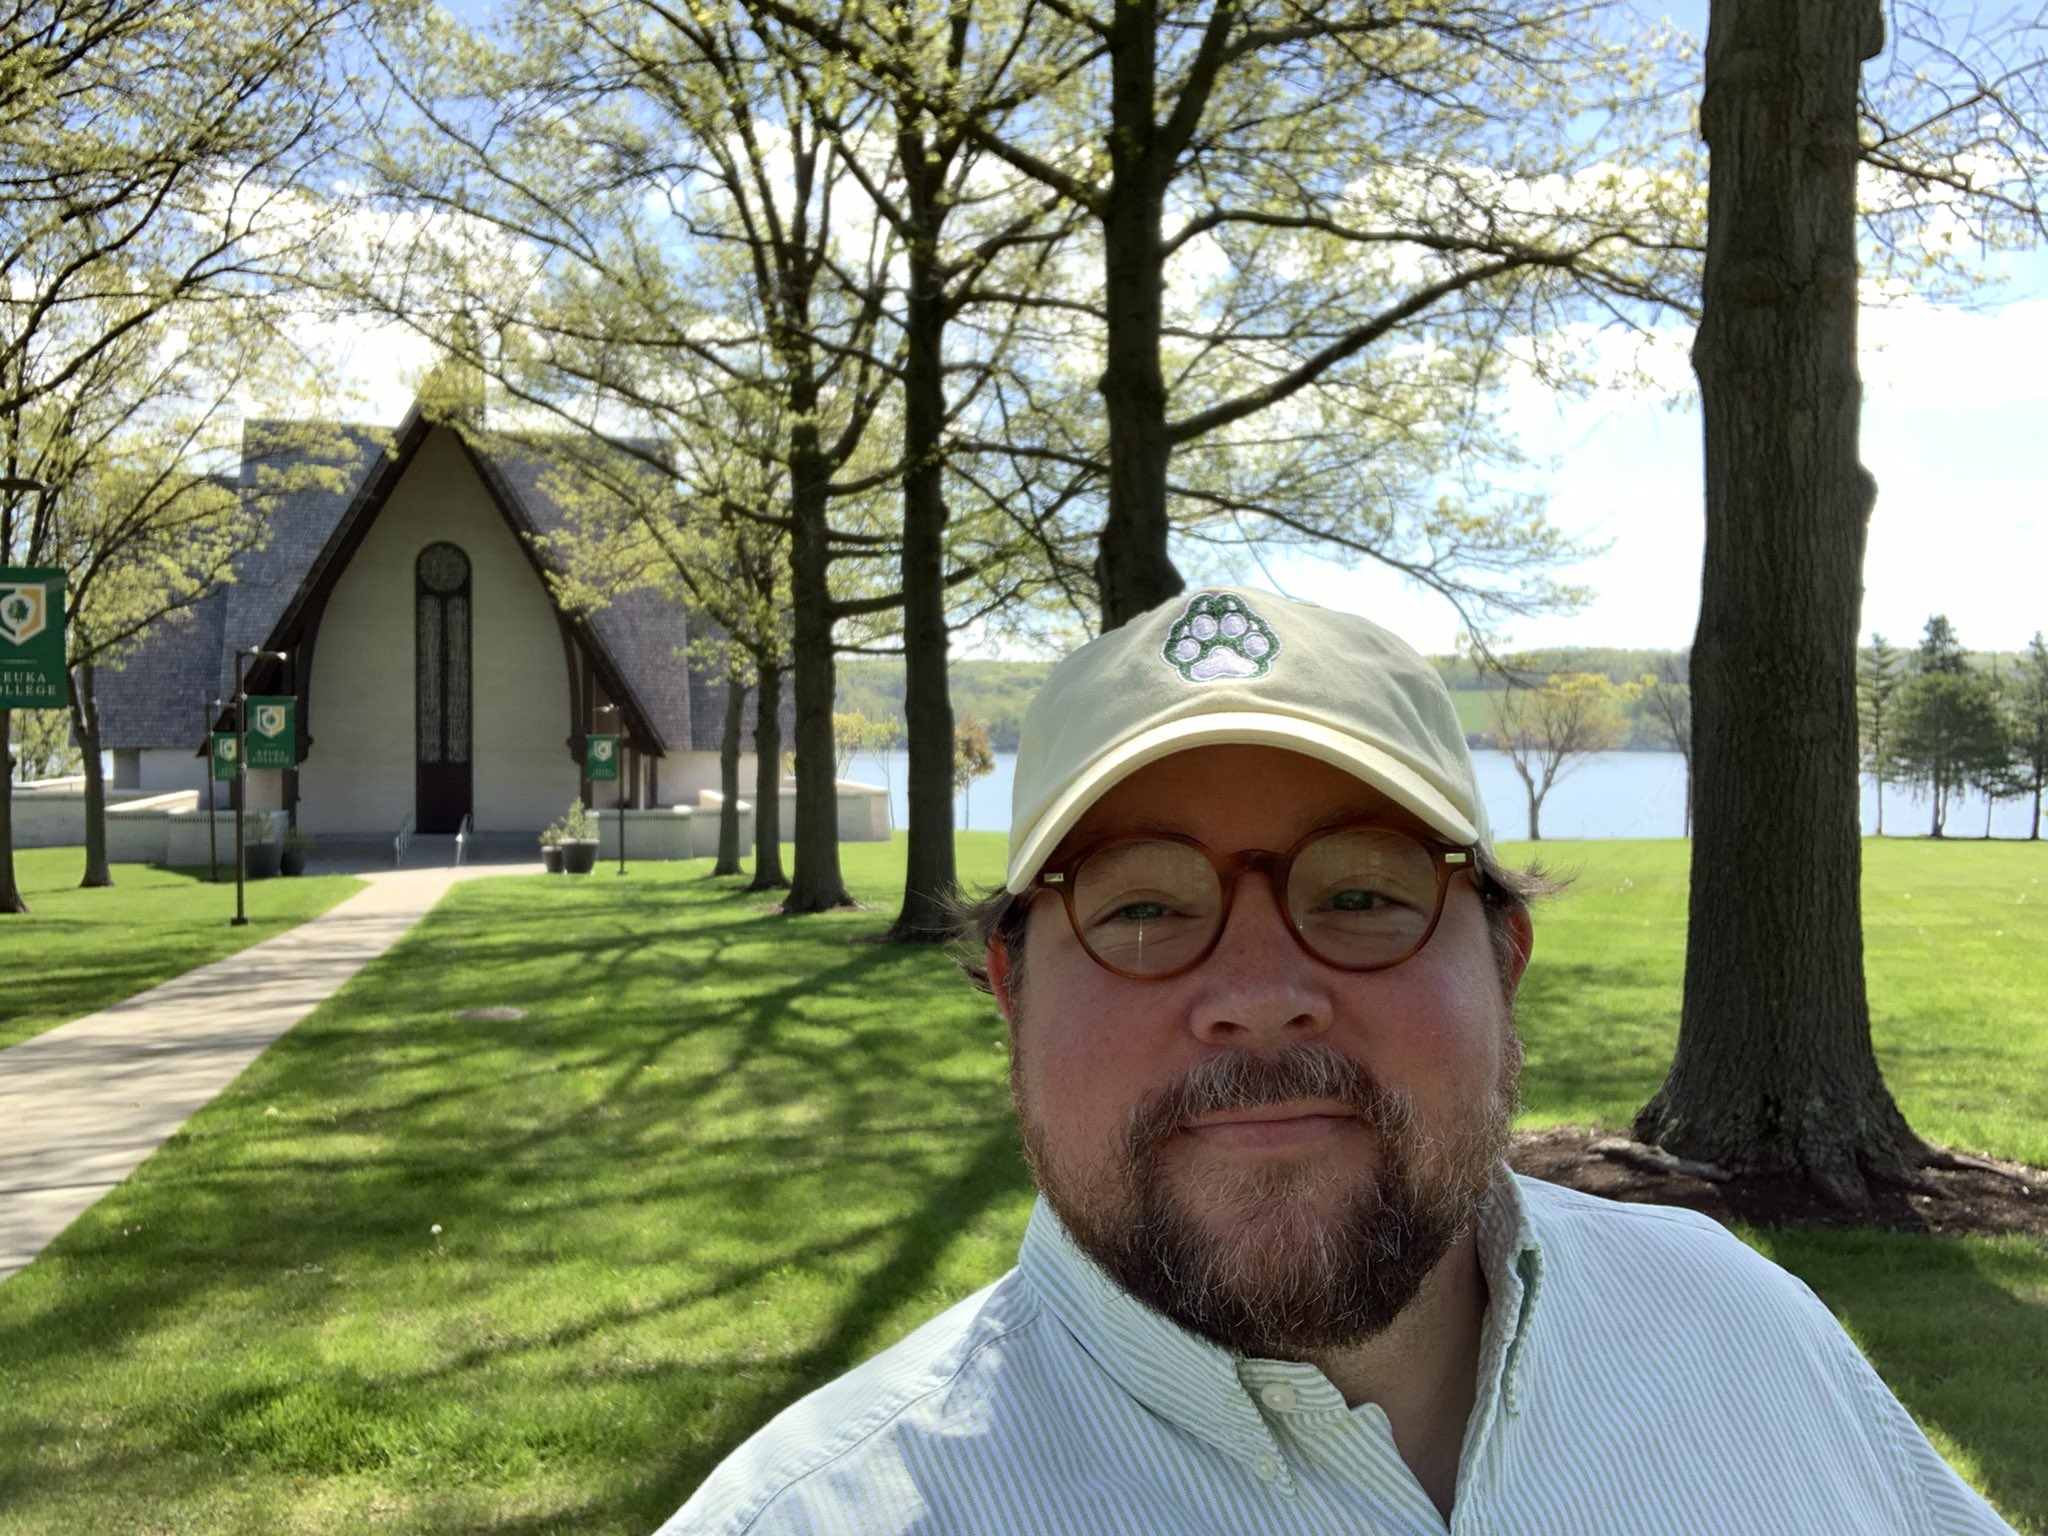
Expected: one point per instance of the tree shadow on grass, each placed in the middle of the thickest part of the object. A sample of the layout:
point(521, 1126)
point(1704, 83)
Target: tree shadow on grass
point(819, 1072)
point(1939, 1320)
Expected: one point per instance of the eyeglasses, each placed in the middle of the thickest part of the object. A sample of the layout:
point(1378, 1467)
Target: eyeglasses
point(1153, 905)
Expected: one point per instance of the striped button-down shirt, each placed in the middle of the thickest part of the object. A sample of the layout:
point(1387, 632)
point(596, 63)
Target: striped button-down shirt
point(1641, 1371)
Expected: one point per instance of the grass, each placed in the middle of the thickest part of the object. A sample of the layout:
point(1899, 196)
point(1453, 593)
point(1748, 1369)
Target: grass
point(725, 1156)
point(78, 951)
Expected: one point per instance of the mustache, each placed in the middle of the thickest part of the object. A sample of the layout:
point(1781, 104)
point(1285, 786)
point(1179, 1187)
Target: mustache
point(1247, 1080)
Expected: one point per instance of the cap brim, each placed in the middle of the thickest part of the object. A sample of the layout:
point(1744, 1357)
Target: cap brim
point(1381, 770)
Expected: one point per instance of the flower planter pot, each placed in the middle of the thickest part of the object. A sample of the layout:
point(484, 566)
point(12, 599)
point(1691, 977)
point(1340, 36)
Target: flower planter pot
point(260, 860)
point(579, 857)
point(551, 859)
point(292, 861)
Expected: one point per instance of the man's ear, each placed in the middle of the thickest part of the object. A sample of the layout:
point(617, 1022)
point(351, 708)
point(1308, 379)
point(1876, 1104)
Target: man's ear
point(1522, 933)
point(995, 958)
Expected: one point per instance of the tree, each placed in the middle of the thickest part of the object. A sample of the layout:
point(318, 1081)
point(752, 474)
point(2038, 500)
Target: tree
point(43, 746)
point(973, 757)
point(1879, 674)
point(854, 735)
point(1940, 651)
point(2030, 728)
point(1950, 732)
point(1548, 729)
point(1666, 698)
point(150, 160)
point(1290, 210)
point(1774, 1068)
point(695, 519)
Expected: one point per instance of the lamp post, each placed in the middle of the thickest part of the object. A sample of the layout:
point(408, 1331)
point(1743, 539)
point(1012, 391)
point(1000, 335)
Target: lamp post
point(212, 822)
point(620, 721)
point(241, 917)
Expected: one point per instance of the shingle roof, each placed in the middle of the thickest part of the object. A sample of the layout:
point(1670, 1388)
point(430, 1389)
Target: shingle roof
point(154, 701)
point(160, 696)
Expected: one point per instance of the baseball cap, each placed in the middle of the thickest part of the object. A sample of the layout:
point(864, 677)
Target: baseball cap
point(1238, 665)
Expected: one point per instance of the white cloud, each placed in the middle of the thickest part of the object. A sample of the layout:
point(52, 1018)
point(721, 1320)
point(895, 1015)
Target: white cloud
point(1951, 429)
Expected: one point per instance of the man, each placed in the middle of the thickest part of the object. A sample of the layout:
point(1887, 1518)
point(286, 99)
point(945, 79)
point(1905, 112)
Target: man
point(1257, 963)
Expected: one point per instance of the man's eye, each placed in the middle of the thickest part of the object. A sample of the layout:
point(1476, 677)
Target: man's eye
point(1138, 912)
point(1359, 899)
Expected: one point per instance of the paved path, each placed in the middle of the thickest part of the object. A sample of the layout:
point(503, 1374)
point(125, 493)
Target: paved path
point(81, 1105)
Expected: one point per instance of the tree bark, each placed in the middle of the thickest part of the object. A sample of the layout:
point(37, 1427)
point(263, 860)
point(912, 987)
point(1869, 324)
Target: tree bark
point(10, 889)
point(930, 873)
point(85, 721)
point(817, 885)
point(1774, 1068)
point(768, 875)
point(728, 862)
point(1133, 569)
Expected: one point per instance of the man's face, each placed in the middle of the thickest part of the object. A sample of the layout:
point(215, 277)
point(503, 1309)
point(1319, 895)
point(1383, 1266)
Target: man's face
point(1273, 1152)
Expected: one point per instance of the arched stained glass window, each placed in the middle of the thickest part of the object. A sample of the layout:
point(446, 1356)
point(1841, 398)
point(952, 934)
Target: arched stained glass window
point(441, 691)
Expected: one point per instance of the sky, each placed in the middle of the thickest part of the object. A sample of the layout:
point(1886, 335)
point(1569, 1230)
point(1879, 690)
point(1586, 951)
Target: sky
point(1955, 430)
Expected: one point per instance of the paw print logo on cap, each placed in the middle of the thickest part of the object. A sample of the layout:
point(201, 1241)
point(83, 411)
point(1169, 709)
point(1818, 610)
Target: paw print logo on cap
point(1217, 636)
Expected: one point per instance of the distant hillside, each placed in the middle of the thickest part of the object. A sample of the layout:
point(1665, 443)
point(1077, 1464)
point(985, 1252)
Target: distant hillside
point(995, 692)
point(998, 692)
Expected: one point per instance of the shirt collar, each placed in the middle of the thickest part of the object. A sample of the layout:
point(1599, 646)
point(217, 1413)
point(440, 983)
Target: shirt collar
point(1202, 1388)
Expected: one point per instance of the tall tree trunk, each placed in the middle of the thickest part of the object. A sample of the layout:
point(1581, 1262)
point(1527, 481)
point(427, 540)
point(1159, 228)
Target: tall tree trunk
point(85, 723)
point(930, 874)
point(2034, 826)
point(728, 862)
point(1535, 815)
point(817, 885)
point(10, 890)
point(1132, 567)
point(768, 875)
point(1774, 1068)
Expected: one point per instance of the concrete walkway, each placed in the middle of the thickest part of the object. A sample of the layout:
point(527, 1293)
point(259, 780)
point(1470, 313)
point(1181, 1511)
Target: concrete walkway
point(83, 1104)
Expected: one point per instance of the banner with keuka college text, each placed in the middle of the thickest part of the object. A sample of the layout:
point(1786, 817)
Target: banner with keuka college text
point(32, 674)
point(273, 731)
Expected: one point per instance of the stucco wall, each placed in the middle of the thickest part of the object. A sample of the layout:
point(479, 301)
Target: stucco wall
point(164, 768)
point(358, 776)
point(684, 775)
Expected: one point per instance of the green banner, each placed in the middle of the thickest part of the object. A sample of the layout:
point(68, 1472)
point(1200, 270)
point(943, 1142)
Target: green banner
point(273, 731)
point(32, 674)
point(601, 758)
point(223, 754)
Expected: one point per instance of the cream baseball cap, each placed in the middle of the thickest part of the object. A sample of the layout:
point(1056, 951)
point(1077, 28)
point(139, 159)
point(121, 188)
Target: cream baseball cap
point(1237, 665)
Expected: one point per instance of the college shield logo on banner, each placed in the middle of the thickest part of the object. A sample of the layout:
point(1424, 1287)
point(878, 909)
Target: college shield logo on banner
point(273, 733)
point(32, 672)
point(601, 760)
point(225, 752)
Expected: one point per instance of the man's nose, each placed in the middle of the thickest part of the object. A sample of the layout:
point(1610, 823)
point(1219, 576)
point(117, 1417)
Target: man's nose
point(1258, 985)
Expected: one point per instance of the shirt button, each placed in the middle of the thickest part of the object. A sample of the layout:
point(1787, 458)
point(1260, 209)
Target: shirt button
point(1280, 1397)
point(1266, 1468)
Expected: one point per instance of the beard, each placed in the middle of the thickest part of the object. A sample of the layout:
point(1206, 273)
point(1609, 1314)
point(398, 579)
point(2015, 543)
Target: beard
point(1278, 1259)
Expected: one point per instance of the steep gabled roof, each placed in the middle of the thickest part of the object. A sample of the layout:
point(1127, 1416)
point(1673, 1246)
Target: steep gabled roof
point(635, 644)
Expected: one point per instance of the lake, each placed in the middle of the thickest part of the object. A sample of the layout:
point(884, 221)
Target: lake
point(1610, 794)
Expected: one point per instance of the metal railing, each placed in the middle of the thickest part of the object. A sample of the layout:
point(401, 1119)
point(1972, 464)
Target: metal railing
point(403, 841)
point(463, 834)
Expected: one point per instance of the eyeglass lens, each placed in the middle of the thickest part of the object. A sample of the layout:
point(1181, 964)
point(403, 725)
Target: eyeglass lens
point(1358, 897)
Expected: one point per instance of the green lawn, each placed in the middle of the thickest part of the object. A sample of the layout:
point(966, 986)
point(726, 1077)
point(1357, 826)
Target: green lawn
point(726, 1155)
point(78, 951)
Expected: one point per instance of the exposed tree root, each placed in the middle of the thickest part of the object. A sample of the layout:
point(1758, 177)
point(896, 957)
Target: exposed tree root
point(1942, 1157)
point(1656, 1160)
